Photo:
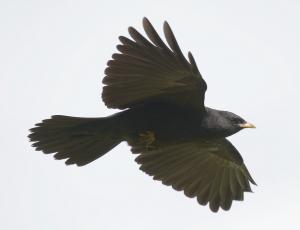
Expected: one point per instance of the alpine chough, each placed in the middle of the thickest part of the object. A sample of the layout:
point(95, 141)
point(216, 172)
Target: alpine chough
point(177, 139)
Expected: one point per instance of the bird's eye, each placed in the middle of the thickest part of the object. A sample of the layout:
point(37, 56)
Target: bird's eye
point(238, 121)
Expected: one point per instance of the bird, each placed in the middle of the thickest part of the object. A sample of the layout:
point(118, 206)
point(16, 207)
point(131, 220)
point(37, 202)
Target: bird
point(162, 116)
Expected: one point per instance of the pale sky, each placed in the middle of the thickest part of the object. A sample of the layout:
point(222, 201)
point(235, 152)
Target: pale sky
point(53, 54)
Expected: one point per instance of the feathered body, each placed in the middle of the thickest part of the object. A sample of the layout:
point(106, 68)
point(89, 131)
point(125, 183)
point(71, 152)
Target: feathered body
point(179, 141)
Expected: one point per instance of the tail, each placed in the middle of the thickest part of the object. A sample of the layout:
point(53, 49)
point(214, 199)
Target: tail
point(79, 140)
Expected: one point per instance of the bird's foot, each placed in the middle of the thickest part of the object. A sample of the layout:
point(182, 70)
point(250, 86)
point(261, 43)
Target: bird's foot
point(147, 139)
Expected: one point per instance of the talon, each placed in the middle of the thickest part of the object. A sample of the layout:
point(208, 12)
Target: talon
point(147, 139)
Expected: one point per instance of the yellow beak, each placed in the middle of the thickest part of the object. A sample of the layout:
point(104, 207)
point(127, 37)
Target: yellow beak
point(247, 125)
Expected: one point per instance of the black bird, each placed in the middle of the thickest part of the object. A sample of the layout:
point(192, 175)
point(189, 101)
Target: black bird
point(161, 94)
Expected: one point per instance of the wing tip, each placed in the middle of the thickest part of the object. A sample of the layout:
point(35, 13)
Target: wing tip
point(146, 20)
point(131, 29)
point(166, 25)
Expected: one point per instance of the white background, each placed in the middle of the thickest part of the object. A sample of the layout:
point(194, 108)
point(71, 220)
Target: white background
point(53, 54)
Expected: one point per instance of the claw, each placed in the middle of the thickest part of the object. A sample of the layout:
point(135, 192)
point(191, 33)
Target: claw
point(147, 139)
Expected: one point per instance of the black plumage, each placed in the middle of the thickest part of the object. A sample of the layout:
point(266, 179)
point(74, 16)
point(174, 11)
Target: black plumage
point(178, 140)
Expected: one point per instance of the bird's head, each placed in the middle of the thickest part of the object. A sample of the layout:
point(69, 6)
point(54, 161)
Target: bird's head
point(233, 122)
point(224, 123)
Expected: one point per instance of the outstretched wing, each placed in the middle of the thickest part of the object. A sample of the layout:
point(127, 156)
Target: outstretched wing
point(213, 171)
point(149, 71)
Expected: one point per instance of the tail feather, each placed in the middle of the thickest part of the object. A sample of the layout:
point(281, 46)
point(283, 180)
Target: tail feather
point(79, 140)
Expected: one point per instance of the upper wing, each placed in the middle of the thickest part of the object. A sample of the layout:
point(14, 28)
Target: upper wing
point(148, 71)
point(213, 171)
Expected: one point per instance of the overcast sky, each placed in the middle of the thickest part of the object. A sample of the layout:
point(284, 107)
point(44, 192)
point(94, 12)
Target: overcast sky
point(52, 56)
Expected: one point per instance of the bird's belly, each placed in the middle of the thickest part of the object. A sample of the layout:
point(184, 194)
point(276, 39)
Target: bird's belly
point(164, 125)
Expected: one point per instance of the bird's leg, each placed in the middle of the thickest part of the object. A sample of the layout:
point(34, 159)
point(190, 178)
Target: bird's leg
point(147, 139)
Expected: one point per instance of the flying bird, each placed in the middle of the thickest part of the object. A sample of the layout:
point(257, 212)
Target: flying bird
point(163, 117)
